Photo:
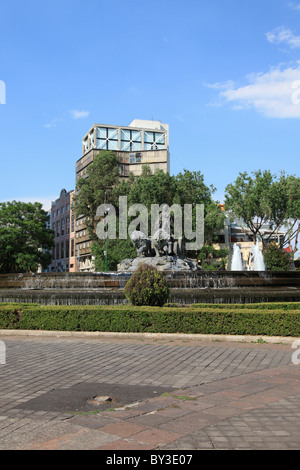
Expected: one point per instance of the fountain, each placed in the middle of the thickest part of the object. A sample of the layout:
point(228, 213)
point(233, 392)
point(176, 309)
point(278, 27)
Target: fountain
point(186, 287)
point(188, 284)
point(237, 262)
point(257, 258)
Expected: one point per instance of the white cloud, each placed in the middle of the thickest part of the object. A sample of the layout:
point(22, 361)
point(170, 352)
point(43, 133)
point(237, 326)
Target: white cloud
point(294, 6)
point(79, 114)
point(75, 114)
point(221, 85)
point(53, 123)
point(283, 35)
point(274, 94)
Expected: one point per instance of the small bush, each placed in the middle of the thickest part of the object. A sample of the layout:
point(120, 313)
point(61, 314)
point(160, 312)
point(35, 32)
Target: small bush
point(147, 286)
point(275, 258)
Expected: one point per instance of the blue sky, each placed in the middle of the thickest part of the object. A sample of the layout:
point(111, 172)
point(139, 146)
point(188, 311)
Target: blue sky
point(225, 76)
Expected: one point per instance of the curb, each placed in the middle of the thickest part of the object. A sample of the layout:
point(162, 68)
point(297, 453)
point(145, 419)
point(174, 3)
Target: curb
point(200, 337)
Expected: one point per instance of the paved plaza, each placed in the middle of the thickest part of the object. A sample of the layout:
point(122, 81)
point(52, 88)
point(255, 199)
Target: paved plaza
point(147, 393)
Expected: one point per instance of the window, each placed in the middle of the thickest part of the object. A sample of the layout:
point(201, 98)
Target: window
point(135, 158)
point(68, 225)
point(131, 140)
point(58, 228)
point(67, 249)
point(72, 247)
point(154, 141)
point(62, 227)
point(107, 138)
point(62, 250)
point(57, 251)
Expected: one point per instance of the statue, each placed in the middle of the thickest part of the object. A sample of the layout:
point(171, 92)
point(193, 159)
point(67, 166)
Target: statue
point(160, 242)
point(142, 243)
point(160, 251)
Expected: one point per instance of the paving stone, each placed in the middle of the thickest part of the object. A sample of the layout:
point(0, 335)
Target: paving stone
point(233, 396)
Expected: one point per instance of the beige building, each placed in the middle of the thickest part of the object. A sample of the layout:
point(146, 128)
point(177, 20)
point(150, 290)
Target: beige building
point(63, 225)
point(73, 267)
point(140, 143)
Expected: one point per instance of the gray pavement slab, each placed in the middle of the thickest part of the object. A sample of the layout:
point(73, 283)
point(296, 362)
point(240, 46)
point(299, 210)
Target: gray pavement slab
point(166, 394)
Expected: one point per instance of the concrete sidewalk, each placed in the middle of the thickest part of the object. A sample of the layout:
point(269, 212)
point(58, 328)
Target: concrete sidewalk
point(170, 393)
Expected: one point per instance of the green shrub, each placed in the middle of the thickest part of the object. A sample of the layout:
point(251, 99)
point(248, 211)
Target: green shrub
point(275, 258)
point(263, 306)
point(147, 286)
point(230, 320)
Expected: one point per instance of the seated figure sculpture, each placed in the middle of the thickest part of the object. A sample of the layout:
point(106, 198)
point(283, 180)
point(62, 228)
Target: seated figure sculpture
point(142, 243)
point(161, 244)
point(160, 250)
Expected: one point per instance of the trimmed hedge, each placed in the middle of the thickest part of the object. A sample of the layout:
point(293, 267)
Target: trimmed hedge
point(270, 320)
point(255, 306)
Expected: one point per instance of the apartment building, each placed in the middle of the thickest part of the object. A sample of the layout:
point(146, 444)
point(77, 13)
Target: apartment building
point(140, 143)
point(63, 225)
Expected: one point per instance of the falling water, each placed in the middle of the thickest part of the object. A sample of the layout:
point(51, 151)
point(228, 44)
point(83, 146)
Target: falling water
point(236, 263)
point(259, 264)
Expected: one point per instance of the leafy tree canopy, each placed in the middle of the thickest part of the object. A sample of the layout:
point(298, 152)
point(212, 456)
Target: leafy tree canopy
point(265, 198)
point(184, 188)
point(103, 185)
point(25, 242)
point(100, 186)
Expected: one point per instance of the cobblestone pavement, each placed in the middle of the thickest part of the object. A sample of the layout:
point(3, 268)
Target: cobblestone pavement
point(136, 393)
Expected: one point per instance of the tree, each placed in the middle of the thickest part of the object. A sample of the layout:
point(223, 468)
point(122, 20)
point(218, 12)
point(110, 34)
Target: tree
point(102, 185)
point(152, 188)
point(98, 187)
point(117, 249)
point(292, 224)
point(25, 241)
point(265, 199)
point(184, 188)
point(275, 258)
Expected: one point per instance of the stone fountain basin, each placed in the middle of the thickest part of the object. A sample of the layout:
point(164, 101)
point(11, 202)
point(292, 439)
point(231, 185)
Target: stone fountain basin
point(186, 288)
point(192, 279)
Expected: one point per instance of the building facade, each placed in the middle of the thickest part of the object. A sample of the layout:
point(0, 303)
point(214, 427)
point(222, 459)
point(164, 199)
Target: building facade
point(141, 143)
point(63, 225)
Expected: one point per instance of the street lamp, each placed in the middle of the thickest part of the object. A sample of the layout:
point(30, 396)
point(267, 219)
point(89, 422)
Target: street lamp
point(106, 238)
